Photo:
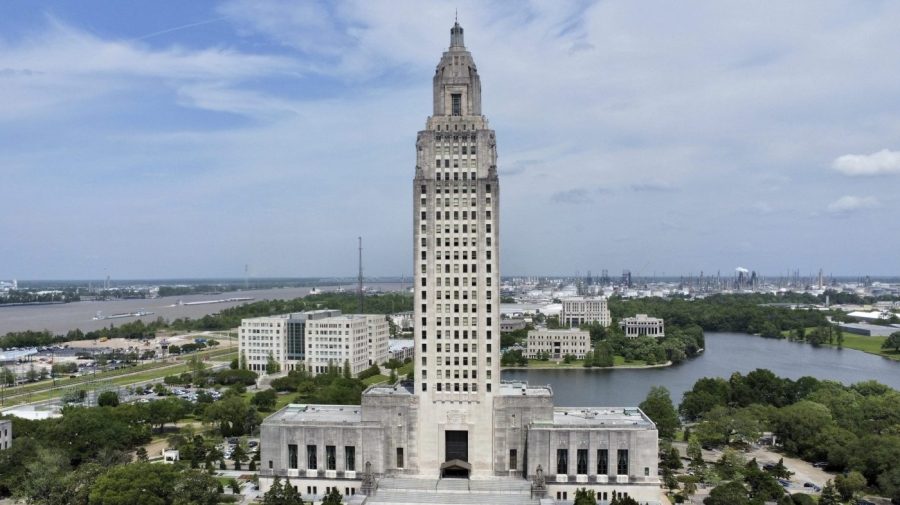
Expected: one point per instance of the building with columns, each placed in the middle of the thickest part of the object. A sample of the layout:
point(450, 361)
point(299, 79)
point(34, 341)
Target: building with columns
point(457, 429)
point(643, 325)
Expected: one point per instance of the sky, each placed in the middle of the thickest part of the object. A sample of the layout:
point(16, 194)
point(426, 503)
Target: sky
point(189, 139)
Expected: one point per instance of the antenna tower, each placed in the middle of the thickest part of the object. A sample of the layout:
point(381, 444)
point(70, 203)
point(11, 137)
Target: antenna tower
point(359, 287)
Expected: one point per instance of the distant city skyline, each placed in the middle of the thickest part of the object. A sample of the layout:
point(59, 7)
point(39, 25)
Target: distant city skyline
point(187, 140)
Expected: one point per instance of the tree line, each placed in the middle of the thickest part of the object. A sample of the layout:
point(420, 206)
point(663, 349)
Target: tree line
point(853, 430)
point(224, 320)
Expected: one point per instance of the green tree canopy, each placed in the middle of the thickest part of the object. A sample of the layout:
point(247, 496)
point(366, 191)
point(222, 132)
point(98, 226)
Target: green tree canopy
point(658, 406)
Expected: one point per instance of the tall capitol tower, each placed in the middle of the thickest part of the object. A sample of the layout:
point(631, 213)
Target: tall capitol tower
point(457, 274)
point(458, 429)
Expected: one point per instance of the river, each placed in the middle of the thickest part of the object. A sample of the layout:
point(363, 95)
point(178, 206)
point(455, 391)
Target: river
point(61, 318)
point(725, 354)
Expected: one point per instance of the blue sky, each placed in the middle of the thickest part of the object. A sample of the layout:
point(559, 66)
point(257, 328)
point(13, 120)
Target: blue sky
point(187, 139)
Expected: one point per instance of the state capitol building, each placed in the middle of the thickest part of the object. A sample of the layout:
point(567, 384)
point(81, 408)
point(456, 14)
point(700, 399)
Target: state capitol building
point(457, 433)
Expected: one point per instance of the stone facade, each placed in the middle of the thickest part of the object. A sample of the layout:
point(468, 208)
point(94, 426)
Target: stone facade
point(558, 343)
point(456, 418)
point(5, 434)
point(578, 310)
point(643, 325)
point(282, 337)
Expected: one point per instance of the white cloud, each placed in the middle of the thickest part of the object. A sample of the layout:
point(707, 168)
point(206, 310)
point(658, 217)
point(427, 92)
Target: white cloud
point(848, 203)
point(880, 163)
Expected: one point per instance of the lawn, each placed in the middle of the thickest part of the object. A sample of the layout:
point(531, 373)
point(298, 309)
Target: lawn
point(871, 345)
point(619, 362)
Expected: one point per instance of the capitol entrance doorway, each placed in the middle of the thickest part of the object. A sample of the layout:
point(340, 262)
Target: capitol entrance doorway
point(456, 460)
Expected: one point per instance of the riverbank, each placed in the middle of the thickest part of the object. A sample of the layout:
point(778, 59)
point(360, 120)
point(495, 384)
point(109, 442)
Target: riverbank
point(864, 343)
point(579, 365)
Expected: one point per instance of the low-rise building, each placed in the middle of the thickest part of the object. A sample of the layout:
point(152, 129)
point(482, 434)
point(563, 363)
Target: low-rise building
point(358, 339)
point(643, 325)
point(281, 337)
point(5, 434)
point(558, 343)
point(578, 310)
point(401, 348)
point(508, 324)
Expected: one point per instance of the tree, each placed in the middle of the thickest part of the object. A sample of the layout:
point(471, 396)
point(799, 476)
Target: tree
point(892, 342)
point(849, 484)
point(658, 406)
point(779, 471)
point(392, 378)
point(238, 456)
point(732, 493)
point(272, 366)
point(348, 374)
point(585, 497)
point(141, 454)
point(603, 355)
point(333, 497)
point(108, 399)
point(265, 400)
point(233, 416)
point(235, 364)
point(152, 484)
point(695, 453)
point(829, 495)
point(280, 494)
point(889, 482)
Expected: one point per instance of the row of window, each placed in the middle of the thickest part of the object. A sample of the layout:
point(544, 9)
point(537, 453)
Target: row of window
point(456, 216)
point(456, 333)
point(447, 362)
point(423, 190)
point(581, 462)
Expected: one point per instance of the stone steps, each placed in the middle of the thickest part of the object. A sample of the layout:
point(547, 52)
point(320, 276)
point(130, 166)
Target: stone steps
point(450, 498)
point(409, 491)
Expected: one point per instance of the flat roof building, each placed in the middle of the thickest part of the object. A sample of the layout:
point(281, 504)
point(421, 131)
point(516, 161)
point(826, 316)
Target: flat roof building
point(643, 325)
point(401, 348)
point(5, 434)
point(282, 337)
point(558, 343)
point(360, 339)
point(578, 310)
point(508, 324)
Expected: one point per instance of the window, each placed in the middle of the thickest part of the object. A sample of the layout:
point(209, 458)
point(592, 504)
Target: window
point(311, 460)
point(622, 462)
point(292, 455)
point(456, 102)
point(350, 458)
point(582, 463)
point(399, 457)
point(330, 458)
point(602, 461)
point(562, 461)
point(513, 459)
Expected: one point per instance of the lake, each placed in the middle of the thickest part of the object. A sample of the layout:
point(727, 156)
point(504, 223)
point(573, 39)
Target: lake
point(725, 354)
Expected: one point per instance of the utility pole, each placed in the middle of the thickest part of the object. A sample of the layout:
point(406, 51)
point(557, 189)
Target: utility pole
point(359, 287)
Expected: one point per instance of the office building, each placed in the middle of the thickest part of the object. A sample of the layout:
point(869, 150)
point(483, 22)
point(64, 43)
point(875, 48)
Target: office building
point(280, 337)
point(578, 310)
point(358, 339)
point(557, 344)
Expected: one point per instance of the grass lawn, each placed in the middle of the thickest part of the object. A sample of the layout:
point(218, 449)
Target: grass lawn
point(871, 345)
point(375, 379)
point(619, 361)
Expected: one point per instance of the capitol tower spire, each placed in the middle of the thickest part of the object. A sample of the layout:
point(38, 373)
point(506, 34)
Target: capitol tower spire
point(457, 274)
